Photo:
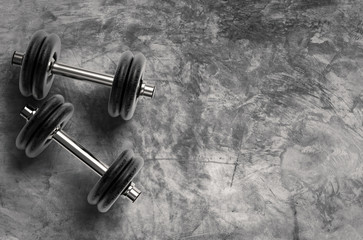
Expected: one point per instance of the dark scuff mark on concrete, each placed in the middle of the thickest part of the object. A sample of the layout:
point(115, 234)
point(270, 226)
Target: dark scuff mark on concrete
point(295, 233)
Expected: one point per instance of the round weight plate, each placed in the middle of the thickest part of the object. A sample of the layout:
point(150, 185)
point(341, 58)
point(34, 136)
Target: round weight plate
point(42, 77)
point(109, 177)
point(29, 63)
point(42, 138)
point(118, 187)
point(118, 84)
point(131, 92)
point(36, 122)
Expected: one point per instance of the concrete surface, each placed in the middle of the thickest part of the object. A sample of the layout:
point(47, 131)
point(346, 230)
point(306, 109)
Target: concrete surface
point(255, 131)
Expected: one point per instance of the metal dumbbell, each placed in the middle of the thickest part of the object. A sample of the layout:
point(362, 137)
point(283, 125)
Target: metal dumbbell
point(46, 123)
point(39, 65)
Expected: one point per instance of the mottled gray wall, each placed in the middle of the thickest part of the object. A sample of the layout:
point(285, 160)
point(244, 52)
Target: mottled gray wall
point(255, 131)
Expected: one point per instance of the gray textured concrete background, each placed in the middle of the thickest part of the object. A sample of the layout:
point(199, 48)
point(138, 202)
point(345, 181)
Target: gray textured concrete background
point(255, 131)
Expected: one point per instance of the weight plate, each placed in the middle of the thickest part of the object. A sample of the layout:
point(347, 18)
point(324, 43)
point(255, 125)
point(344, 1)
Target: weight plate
point(29, 63)
point(132, 87)
point(117, 188)
point(42, 138)
point(118, 84)
point(109, 177)
point(36, 122)
point(42, 77)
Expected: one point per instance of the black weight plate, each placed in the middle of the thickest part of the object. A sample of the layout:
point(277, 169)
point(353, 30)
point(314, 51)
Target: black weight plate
point(131, 91)
point(117, 188)
point(118, 84)
point(110, 176)
point(36, 122)
point(42, 77)
point(29, 63)
point(42, 138)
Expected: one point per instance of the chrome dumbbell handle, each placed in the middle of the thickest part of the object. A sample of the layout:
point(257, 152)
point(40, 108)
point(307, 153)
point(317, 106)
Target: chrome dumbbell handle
point(131, 192)
point(82, 74)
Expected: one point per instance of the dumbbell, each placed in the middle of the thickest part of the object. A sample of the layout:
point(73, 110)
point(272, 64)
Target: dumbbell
point(39, 65)
point(46, 123)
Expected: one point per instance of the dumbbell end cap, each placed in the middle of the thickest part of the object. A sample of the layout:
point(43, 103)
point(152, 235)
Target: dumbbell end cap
point(147, 90)
point(132, 192)
point(17, 58)
point(27, 112)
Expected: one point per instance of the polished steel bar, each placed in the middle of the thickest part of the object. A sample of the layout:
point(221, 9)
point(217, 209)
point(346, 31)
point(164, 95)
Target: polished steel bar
point(81, 74)
point(68, 143)
point(69, 71)
point(131, 192)
point(63, 139)
point(84, 75)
